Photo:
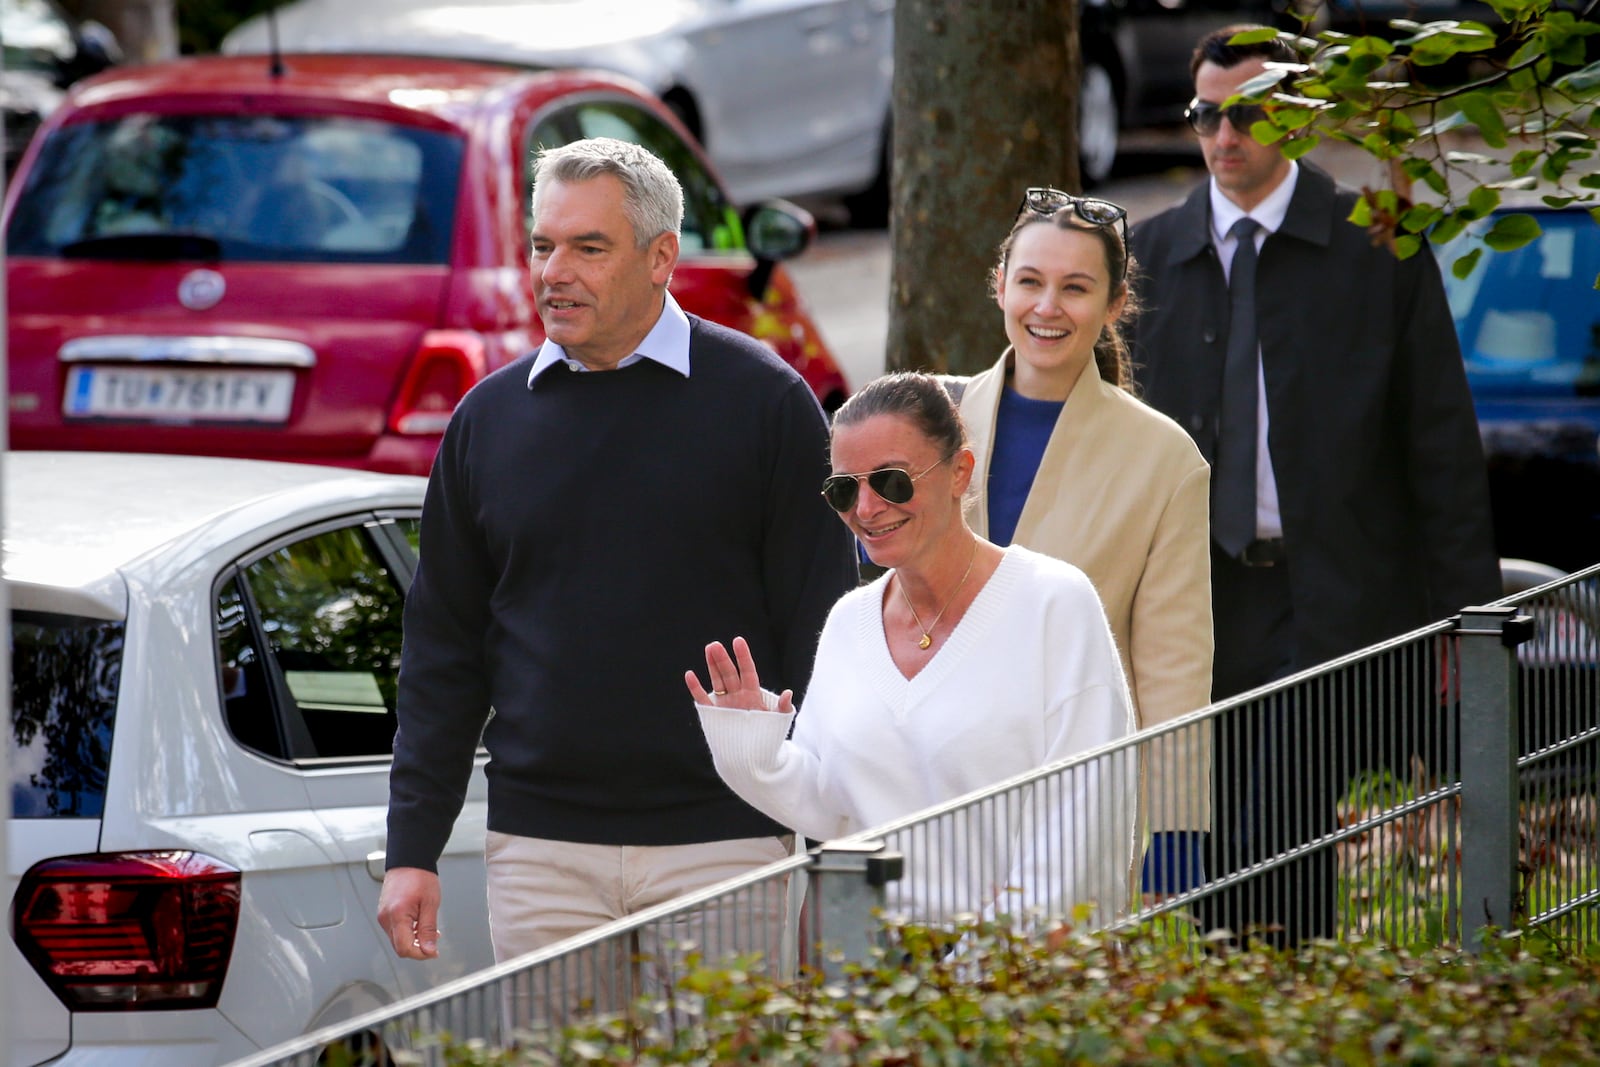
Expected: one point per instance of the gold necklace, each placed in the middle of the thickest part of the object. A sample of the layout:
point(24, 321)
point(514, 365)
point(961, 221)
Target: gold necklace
point(927, 631)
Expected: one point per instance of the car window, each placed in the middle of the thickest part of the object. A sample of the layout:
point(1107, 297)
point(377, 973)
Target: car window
point(710, 222)
point(261, 187)
point(1528, 319)
point(64, 675)
point(309, 645)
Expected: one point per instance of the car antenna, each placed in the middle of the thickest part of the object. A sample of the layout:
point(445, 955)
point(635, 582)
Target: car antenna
point(276, 69)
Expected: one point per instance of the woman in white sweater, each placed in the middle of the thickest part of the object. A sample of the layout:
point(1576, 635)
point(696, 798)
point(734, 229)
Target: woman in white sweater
point(964, 665)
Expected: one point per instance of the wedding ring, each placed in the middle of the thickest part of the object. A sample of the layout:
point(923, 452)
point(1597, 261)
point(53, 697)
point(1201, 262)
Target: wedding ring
point(719, 692)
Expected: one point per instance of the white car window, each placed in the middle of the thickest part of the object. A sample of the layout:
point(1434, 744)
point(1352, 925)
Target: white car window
point(309, 643)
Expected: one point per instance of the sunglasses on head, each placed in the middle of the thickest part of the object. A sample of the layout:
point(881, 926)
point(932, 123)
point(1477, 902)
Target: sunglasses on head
point(894, 484)
point(1044, 201)
point(1205, 118)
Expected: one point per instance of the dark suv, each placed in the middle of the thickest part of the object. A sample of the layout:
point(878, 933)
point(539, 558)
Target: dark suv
point(45, 51)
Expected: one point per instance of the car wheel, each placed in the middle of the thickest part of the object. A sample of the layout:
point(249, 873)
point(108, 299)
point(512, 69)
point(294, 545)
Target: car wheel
point(869, 209)
point(365, 1049)
point(1098, 122)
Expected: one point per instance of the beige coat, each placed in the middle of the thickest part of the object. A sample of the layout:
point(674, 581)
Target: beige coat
point(1123, 494)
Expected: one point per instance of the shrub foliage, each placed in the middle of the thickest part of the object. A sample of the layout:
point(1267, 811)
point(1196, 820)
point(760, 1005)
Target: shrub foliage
point(1007, 997)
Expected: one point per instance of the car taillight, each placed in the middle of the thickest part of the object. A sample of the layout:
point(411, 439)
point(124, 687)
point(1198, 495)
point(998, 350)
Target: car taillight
point(129, 931)
point(447, 364)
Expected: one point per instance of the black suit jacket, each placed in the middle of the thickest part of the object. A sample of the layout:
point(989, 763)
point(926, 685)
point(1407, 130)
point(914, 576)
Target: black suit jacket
point(1375, 446)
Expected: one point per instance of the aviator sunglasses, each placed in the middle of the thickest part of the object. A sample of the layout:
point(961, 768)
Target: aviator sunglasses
point(1044, 201)
point(894, 484)
point(1205, 118)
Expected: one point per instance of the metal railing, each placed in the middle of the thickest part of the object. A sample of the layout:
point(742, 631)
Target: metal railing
point(1419, 790)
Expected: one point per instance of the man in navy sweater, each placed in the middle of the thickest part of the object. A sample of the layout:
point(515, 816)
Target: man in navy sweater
point(599, 510)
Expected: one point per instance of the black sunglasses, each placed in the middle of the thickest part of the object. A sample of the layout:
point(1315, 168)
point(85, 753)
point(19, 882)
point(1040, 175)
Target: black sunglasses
point(1205, 118)
point(1044, 201)
point(894, 484)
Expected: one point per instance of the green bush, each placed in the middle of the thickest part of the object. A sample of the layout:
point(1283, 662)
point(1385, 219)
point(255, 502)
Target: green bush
point(1063, 998)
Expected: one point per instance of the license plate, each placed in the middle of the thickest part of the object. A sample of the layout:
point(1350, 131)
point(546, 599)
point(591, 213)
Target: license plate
point(187, 394)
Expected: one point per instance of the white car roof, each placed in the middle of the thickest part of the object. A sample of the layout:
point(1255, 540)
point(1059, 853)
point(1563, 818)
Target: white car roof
point(613, 34)
point(74, 521)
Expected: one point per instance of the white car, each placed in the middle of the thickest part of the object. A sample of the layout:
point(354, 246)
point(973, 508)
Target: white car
point(789, 97)
point(204, 655)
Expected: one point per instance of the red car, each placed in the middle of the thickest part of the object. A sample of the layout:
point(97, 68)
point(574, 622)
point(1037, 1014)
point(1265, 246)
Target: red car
point(315, 261)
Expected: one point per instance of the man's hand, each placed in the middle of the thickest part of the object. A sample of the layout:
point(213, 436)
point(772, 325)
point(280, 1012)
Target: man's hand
point(408, 911)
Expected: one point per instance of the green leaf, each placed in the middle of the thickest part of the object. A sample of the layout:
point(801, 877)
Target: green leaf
point(1256, 36)
point(1462, 267)
point(1523, 161)
point(1370, 48)
point(1511, 232)
point(1590, 181)
point(1266, 133)
point(1415, 168)
point(1448, 229)
point(1419, 217)
point(1482, 113)
point(1556, 165)
point(1509, 10)
point(1292, 118)
point(1361, 214)
point(1481, 201)
point(1296, 147)
point(1451, 38)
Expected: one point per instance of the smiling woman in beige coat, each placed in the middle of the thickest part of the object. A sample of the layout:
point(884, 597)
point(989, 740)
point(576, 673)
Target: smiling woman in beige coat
point(1070, 464)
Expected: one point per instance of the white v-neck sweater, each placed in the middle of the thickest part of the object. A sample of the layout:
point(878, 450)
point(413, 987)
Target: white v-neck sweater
point(1030, 675)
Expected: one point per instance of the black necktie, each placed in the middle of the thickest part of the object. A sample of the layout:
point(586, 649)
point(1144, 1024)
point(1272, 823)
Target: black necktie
point(1233, 481)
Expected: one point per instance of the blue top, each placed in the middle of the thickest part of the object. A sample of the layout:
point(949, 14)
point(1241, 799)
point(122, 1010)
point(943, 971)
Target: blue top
point(1021, 430)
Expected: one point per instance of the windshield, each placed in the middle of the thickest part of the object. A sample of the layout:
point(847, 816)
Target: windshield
point(64, 674)
point(1529, 319)
point(241, 187)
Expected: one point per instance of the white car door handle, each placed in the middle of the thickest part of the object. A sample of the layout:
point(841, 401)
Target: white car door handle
point(375, 864)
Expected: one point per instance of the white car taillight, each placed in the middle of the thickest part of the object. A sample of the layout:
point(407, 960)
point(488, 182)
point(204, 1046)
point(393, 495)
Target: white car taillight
point(129, 931)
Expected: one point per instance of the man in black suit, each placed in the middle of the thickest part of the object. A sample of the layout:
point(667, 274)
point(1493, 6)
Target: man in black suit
point(1349, 495)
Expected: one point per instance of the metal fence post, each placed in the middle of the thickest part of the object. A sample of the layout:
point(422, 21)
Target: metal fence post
point(847, 891)
point(1490, 705)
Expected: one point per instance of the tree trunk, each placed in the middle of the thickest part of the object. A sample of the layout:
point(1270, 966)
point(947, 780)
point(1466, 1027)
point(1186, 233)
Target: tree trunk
point(985, 105)
point(146, 29)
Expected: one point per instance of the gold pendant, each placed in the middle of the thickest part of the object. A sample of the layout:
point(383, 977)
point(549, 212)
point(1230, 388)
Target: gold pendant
point(925, 642)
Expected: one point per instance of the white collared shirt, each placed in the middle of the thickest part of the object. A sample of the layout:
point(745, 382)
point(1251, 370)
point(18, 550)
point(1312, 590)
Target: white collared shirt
point(1270, 214)
point(667, 343)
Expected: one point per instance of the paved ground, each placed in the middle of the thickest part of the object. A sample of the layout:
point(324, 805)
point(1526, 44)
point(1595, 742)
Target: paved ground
point(845, 276)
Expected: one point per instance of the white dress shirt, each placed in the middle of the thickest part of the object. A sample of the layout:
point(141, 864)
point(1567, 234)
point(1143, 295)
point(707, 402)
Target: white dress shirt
point(667, 343)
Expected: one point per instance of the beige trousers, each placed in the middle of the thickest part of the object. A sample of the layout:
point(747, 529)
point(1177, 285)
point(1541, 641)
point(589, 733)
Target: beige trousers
point(543, 891)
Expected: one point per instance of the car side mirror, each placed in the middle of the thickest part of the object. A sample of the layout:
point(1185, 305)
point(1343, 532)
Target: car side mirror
point(775, 230)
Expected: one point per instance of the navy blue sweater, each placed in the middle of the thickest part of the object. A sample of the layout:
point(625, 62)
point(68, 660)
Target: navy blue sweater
point(582, 541)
